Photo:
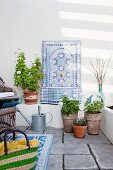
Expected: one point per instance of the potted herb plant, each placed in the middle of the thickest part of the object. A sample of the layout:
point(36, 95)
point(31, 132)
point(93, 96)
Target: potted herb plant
point(28, 78)
point(69, 113)
point(93, 115)
point(79, 127)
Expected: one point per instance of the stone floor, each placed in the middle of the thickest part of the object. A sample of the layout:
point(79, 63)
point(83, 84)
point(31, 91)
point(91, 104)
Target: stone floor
point(69, 153)
point(90, 153)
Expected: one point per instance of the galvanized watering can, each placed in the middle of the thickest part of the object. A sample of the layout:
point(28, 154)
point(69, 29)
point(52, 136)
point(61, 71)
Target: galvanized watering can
point(39, 121)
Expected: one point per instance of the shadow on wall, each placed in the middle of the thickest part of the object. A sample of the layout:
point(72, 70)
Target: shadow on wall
point(92, 23)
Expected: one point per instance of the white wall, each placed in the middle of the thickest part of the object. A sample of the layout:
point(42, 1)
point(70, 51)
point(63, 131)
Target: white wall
point(25, 23)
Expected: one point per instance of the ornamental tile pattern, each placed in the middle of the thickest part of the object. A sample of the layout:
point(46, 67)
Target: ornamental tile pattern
point(61, 67)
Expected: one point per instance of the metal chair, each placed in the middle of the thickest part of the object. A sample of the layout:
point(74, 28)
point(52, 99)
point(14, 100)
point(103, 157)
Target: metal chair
point(8, 114)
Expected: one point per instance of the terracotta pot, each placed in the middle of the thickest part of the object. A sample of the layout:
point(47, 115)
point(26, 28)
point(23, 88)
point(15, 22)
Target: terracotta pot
point(93, 123)
point(30, 97)
point(68, 123)
point(79, 131)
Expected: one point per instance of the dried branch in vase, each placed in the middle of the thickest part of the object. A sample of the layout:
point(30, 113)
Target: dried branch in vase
point(99, 68)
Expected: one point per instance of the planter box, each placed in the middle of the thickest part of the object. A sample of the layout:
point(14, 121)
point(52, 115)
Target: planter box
point(107, 123)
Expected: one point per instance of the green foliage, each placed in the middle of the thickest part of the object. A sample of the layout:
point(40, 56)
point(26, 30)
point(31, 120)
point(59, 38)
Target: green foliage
point(80, 122)
point(93, 107)
point(69, 106)
point(28, 78)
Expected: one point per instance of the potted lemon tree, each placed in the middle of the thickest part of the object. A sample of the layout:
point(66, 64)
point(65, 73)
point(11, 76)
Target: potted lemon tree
point(28, 78)
point(93, 115)
point(69, 112)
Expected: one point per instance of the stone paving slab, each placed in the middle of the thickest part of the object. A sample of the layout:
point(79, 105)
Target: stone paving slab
point(58, 133)
point(104, 155)
point(53, 130)
point(57, 138)
point(89, 139)
point(55, 162)
point(79, 162)
point(27, 130)
point(23, 128)
point(65, 149)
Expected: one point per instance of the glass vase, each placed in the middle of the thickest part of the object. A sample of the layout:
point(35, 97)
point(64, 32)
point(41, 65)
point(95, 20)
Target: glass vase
point(101, 94)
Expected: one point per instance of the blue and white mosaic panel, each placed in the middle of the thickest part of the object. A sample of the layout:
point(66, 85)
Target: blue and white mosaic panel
point(52, 95)
point(61, 67)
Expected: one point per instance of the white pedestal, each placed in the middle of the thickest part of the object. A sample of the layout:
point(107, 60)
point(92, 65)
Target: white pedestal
point(107, 123)
point(29, 110)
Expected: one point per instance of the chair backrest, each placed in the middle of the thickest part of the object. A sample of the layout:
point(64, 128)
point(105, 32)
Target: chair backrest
point(3, 87)
point(1, 81)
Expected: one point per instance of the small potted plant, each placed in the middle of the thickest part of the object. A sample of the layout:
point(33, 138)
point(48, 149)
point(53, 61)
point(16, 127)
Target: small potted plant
point(79, 127)
point(93, 115)
point(69, 112)
point(28, 78)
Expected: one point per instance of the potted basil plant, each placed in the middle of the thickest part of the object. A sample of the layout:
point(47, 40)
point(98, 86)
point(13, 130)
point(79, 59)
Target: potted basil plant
point(93, 115)
point(69, 112)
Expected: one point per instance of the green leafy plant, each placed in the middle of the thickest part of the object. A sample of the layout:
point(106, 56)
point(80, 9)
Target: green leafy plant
point(80, 122)
point(28, 78)
point(69, 106)
point(93, 107)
